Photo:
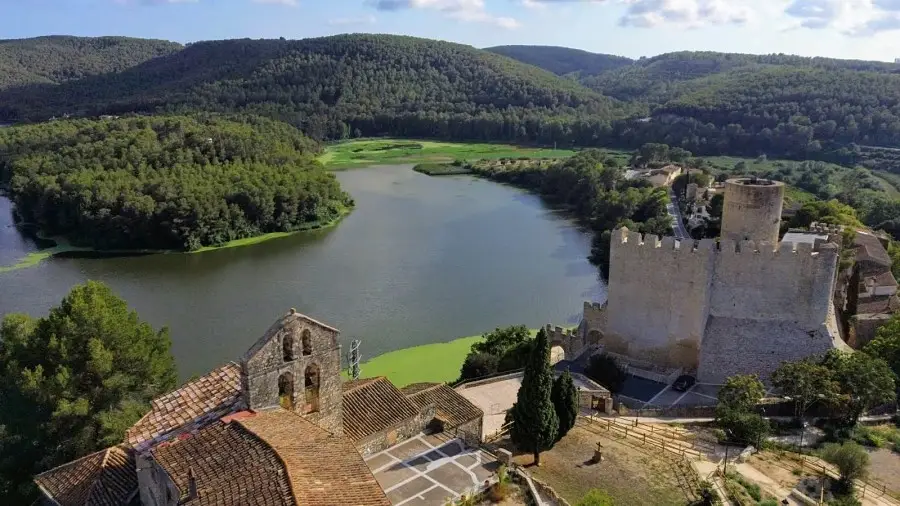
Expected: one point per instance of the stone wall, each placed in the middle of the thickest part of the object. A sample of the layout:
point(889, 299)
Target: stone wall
point(395, 434)
point(758, 283)
point(662, 296)
point(658, 295)
point(863, 329)
point(155, 487)
point(263, 366)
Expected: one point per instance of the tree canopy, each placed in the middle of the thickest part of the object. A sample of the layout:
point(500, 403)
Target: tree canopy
point(166, 182)
point(59, 58)
point(535, 422)
point(72, 382)
point(707, 103)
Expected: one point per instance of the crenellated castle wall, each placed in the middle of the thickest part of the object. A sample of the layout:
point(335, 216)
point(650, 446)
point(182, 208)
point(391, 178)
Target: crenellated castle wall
point(662, 293)
point(759, 282)
point(658, 295)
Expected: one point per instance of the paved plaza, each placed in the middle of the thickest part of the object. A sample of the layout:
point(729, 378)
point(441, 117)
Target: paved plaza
point(430, 470)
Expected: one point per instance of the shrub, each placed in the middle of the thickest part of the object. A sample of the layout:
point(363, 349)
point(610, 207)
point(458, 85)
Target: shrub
point(478, 365)
point(850, 458)
point(596, 497)
point(750, 428)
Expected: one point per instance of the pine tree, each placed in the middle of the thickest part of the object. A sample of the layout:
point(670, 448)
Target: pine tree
point(565, 402)
point(535, 423)
point(72, 382)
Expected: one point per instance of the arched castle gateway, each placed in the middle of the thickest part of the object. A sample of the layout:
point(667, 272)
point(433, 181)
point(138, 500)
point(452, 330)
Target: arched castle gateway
point(719, 308)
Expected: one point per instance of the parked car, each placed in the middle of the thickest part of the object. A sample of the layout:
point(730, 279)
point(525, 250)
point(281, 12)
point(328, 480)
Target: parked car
point(683, 383)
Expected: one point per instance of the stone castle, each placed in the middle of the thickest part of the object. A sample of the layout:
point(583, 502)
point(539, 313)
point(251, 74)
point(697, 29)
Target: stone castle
point(715, 308)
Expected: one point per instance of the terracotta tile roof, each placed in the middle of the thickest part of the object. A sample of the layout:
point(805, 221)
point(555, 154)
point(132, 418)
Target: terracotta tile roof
point(373, 405)
point(207, 397)
point(869, 248)
point(884, 304)
point(449, 405)
point(104, 478)
point(417, 387)
point(886, 278)
point(231, 467)
point(322, 469)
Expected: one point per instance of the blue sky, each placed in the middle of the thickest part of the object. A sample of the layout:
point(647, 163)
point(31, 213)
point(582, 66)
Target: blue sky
point(868, 29)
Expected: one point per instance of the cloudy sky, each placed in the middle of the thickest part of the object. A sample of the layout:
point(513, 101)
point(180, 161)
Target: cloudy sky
point(867, 29)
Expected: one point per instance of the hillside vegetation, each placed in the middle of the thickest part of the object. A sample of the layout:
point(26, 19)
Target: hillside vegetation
point(337, 87)
point(720, 103)
point(166, 182)
point(563, 60)
point(349, 86)
point(58, 59)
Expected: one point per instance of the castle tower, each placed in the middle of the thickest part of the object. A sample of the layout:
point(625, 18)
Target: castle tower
point(752, 210)
point(296, 365)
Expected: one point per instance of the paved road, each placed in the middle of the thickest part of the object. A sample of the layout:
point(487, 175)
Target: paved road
point(675, 213)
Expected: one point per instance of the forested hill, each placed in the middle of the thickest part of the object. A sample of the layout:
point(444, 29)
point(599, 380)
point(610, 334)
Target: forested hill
point(166, 182)
point(563, 60)
point(334, 87)
point(57, 59)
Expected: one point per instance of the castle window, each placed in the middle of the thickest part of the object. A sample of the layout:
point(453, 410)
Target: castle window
point(286, 391)
point(312, 388)
point(307, 344)
point(287, 348)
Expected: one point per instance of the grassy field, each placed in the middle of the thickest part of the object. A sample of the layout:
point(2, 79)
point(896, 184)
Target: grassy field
point(889, 181)
point(438, 362)
point(362, 153)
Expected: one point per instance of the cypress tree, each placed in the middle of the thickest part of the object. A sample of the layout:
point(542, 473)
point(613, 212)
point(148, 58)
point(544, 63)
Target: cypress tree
point(535, 421)
point(565, 402)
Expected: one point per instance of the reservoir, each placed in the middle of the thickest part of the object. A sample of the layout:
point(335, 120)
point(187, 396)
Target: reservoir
point(420, 260)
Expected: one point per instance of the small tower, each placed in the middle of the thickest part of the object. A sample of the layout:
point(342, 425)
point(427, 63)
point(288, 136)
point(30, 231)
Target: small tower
point(752, 210)
point(296, 365)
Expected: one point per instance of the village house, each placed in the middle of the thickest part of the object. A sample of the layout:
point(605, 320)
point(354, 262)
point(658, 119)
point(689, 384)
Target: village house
point(664, 176)
point(280, 427)
point(872, 289)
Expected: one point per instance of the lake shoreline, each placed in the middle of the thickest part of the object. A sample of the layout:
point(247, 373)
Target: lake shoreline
point(63, 248)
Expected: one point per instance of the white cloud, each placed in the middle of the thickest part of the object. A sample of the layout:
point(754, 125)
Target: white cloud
point(361, 20)
point(464, 10)
point(685, 13)
point(858, 18)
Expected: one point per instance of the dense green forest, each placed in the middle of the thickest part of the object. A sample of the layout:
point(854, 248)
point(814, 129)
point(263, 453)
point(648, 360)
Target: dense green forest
point(337, 87)
point(57, 59)
point(166, 182)
point(362, 85)
point(562, 60)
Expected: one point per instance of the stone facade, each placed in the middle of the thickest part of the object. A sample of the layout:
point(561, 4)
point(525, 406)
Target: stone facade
point(297, 365)
point(389, 437)
point(752, 210)
point(666, 299)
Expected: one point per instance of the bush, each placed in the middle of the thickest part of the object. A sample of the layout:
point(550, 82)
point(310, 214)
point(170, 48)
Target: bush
point(596, 497)
point(478, 365)
point(745, 427)
point(515, 357)
point(850, 458)
point(606, 370)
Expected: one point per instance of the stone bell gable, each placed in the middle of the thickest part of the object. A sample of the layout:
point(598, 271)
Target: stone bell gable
point(296, 365)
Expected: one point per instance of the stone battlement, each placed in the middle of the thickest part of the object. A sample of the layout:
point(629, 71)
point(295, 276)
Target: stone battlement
point(624, 238)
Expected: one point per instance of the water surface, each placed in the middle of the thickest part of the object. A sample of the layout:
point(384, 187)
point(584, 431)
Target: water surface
point(421, 260)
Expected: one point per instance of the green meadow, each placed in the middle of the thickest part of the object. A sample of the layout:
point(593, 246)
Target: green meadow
point(363, 153)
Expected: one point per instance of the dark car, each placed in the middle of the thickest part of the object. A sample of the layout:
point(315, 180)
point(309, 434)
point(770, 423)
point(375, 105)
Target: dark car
point(683, 383)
